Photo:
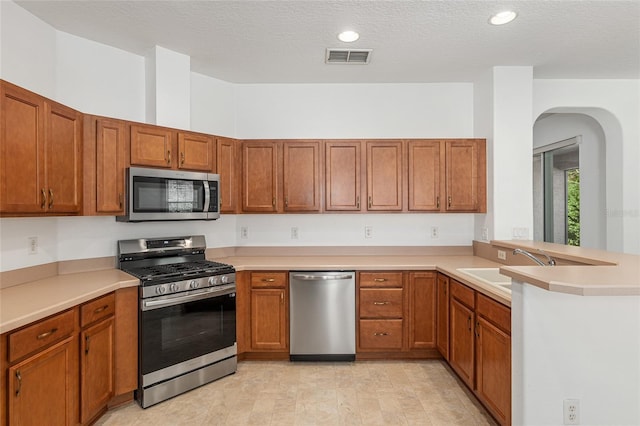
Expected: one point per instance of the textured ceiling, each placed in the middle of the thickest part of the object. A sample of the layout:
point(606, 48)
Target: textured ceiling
point(412, 41)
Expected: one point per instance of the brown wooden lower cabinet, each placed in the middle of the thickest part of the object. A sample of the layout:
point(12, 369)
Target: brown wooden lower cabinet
point(480, 348)
point(422, 310)
point(61, 370)
point(442, 315)
point(43, 389)
point(269, 312)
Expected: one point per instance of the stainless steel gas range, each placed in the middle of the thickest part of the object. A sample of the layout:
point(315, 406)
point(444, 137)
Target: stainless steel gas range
point(187, 315)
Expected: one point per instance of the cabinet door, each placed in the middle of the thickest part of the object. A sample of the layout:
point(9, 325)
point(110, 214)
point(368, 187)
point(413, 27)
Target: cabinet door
point(342, 176)
point(22, 179)
point(196, 152)
point(424, 175)
point(97, 368)
point(461, 355)
point(301, 174)
point(493, 369)
point(63, 153)
point(226, 168)
point(462, 175)
point(110, 166)
point(151, 146)
point(442, 315)
point(259, 176)
point(422, 310)
point(268, 319)
point(43, 389)
point(384, 175)
point(126, 340)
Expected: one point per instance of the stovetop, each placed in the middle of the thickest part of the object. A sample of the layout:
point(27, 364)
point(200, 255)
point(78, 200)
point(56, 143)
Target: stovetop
point(179, 271)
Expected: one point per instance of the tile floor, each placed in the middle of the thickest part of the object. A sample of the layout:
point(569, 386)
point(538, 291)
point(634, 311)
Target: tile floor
point(283, 393)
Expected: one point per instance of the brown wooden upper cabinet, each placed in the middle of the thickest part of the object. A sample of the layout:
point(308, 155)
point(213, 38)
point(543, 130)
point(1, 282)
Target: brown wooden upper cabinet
point(105, 144)
point(260, 176)
point(465, 175)
point(342, 175)
point(154, 146)
point(301, 173)
point(384, 175)
point(271, 168)
point(226, 168)
point(41, 154)
point(424, 158)
point(447, 176)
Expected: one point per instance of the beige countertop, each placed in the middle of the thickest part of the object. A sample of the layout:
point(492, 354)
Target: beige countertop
point(25, 303)
point(604, 273)
point(447, 264)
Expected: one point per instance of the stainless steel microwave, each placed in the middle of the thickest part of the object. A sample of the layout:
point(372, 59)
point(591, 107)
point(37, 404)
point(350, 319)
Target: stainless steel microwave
point(158, 195)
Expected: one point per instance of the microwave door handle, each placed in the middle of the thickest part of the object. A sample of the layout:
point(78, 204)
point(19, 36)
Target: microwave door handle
point(207, 195)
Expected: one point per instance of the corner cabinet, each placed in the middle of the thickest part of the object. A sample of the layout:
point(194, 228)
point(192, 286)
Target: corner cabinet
point(41, 154)
point(105, 152)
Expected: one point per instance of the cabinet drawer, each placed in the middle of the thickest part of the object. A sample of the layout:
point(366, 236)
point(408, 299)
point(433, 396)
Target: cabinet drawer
point(464, 294)
point(380, 279)
point(494, 312)
point(380, 303)
point(268, 279)
point(97, 309)
point(381, 334)
point(41, 334)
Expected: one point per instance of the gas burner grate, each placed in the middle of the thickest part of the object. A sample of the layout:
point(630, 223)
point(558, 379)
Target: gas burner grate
point(179, 269)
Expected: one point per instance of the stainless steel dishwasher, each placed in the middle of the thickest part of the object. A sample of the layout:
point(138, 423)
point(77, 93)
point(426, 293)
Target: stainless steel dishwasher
point(322, 314)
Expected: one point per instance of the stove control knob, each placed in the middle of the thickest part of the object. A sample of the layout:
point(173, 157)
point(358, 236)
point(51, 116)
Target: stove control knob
point(174, 287)
point(213, 280)
point(161, 289)
point(194, 284)
point(225, 279)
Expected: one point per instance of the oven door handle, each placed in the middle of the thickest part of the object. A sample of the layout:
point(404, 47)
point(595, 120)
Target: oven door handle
point(148, 305)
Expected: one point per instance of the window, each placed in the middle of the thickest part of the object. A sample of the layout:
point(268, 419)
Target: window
point(556, 192)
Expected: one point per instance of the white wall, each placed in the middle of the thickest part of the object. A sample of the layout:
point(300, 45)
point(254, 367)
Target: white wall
point(615, 104)
point(213, 106)
point(558, 127)
point(168, 88)
point(591, 354)
point(443, 110)
point(28, 50)
point(483, 127)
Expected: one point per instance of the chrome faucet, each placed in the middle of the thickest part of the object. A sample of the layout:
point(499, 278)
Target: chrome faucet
point(550, 261)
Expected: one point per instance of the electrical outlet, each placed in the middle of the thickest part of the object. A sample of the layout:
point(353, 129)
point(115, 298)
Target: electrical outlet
point(435, 232)
point(571, 412)
point(244, 232)
point(368, 231)
point(485, 233)
point(32, 245)
point(294, 232)
point(502, 255)
point(520, 233)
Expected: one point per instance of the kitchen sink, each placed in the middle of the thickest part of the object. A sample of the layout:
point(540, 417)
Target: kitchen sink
point(490, 276)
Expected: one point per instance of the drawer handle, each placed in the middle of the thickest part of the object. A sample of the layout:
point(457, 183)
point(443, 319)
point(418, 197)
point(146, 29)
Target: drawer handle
point(469, 322)
point(380, 334)
point(268, 280)
point(19, 377)
point(379, 280)
point(46, 334)
point(97, 311)
point(381, 303)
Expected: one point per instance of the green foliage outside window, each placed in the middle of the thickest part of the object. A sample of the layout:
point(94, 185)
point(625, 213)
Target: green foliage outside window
point(573, 207)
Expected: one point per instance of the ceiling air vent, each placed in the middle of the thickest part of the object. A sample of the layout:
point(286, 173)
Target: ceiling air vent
point(348, 56)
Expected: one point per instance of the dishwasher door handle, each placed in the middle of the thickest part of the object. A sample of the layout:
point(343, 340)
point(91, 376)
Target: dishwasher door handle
point(305, 277)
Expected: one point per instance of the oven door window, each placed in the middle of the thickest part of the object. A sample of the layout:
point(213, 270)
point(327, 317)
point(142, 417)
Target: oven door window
point(160, 195)
point(178, 333)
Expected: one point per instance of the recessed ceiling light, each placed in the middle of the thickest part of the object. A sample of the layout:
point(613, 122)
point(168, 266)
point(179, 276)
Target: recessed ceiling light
point(348, 36)
point(503, 17)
